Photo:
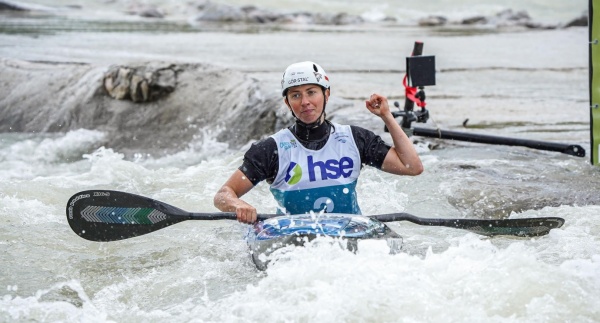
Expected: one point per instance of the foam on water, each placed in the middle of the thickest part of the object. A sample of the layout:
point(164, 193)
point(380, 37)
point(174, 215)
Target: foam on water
point(472, 280)
point(48, 306)
point(469, 279)
point(201, 271)
point(26, 156)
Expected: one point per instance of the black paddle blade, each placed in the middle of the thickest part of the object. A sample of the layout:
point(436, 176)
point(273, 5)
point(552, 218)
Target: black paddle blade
point(530, 227)
point(102, 215)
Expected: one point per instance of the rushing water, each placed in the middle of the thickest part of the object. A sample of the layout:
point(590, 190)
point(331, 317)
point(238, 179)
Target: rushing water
point(201, 271)
point(530, 84)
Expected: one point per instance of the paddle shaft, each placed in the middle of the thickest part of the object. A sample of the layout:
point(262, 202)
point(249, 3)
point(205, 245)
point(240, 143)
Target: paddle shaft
point(569, 149)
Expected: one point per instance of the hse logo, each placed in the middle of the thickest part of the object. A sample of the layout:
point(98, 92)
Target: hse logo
point(320, 170)
point(330, 169)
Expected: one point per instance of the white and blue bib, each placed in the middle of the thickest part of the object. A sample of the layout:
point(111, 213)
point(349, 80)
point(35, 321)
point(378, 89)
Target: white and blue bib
point(317, 180)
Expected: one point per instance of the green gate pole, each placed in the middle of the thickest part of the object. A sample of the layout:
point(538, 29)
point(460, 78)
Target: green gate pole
point(594, 26)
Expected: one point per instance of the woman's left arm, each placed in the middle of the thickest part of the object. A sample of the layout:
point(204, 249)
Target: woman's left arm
point(402, 158)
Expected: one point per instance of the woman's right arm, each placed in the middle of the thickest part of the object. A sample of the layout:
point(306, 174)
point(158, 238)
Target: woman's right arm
point(260, 163)
point(228, 199)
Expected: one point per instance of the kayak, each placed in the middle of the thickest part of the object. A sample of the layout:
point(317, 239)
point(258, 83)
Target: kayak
point(272, 234)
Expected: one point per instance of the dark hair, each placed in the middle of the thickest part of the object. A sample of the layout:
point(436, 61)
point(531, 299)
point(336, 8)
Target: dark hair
point(285, 92)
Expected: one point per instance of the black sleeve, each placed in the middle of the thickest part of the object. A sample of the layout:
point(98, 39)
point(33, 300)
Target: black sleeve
point(261, 161)
point(371, 147)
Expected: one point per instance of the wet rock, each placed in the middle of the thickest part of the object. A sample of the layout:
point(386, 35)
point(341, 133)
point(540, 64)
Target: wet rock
point(222, 13)
point(214, 12)
point(145, 11)
point(510, 15)
point(151, 13)
point(345, 19)
point(505, 18)
point(140, 84)
point(10, 6)
point(474, 20)
point(581, 21)
point(60, 97)
point(509, 18)
point(308, 18)
point(433, 21)
point(256, 15)
point(302, 18)
point(15, 6)
point(537, 25)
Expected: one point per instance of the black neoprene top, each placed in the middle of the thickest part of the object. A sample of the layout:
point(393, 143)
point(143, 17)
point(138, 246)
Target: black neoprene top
point(262, 163)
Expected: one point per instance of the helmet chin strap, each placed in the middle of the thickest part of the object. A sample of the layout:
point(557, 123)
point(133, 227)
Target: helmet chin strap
point(311, 125)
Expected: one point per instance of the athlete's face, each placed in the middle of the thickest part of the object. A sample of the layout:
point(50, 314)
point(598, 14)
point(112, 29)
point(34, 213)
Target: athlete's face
point(307, 101)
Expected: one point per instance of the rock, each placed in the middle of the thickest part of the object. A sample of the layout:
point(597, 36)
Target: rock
point(308, 18)
point(301, 18)
point(346, 19)
point(509, 15)
point(474, 20)
point(24, 7)
point(581, 21)
point(509, 18)
point(326, 19)
point(60, 97)
point(214, 12)
point(202, 4)
point(9, 6)
point(151, 13)
point(260, 16)
point(144, 11)
point(536, 25)
point(505, 18)
point(140, 84)
point(117, 83)
point(433, 21)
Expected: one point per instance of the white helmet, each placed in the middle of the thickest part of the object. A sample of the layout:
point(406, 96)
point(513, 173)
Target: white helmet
point(303, 73)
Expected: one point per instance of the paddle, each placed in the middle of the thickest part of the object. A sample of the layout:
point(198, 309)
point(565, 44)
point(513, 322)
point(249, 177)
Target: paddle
point(101, 215)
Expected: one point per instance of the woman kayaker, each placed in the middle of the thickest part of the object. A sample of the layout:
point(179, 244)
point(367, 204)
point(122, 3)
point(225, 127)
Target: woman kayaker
point(314, 164)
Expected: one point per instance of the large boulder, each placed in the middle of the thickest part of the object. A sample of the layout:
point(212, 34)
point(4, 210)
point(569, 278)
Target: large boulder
point(12, 6)
point(152, 107)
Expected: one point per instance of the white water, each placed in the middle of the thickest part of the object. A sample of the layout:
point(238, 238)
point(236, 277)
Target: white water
point(200, 271)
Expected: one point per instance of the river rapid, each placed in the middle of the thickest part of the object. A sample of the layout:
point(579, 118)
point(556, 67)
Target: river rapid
point(511, 82)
